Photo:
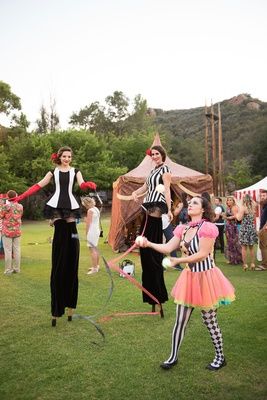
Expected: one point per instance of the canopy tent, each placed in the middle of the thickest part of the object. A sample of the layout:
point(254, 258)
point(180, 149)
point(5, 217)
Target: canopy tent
point(254, 192)
point(125, 212)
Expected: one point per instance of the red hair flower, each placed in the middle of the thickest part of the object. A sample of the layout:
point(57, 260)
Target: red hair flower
point(149, 152)
point(53, 156)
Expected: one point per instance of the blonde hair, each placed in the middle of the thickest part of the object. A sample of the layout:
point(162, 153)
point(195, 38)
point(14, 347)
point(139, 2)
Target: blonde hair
point(87, 201)
point(248, 202)
point(232, 198)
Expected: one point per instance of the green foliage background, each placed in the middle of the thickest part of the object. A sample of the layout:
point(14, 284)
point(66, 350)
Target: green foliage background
point(109, 140)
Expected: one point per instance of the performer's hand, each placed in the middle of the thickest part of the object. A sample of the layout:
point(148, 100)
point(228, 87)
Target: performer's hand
point(174, 261)
point(141, 241)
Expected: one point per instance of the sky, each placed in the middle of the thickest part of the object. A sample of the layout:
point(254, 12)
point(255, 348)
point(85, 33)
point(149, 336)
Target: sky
point(176, 53)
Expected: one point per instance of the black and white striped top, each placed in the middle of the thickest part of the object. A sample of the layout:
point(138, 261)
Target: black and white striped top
point(153, 180)
point(63, 196)
point(192, 247)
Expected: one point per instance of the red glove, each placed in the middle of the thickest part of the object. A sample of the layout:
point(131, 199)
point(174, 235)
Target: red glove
point(33, 189)
point(88, 185)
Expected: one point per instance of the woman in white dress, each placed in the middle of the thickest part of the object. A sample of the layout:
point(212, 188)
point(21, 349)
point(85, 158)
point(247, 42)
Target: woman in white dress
point(92, 231)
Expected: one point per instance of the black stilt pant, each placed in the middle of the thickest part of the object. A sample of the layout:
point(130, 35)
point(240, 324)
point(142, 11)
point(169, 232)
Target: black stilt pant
point(151, 261)
point(65, 262)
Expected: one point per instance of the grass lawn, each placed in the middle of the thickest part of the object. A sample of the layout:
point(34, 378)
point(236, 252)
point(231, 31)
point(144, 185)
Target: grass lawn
point(72, 361)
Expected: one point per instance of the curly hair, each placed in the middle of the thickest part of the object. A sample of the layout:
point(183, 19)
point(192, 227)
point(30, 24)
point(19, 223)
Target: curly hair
point(60, 152)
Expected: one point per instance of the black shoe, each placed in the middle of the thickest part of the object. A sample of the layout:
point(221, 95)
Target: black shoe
point(178, 267)
point(212, 368)
point(69, 317)
point(54, 322)
point(168, 365)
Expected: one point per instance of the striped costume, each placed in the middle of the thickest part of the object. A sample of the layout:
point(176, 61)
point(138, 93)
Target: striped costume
point(201, 285)
point(151, 260)
point(153, 197)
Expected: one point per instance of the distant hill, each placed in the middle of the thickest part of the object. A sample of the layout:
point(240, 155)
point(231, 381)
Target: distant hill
point(244, 127)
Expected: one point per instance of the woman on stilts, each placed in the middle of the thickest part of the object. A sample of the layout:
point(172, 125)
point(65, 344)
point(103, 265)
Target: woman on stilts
point(155, 204)
point(63, 209)
point(201, 284)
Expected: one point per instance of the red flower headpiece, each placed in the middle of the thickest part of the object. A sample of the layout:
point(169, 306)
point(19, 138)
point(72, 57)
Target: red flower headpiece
point(53, 156)
point(149, 152)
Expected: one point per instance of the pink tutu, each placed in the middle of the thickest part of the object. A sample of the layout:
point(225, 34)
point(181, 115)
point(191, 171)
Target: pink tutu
point(206, 290)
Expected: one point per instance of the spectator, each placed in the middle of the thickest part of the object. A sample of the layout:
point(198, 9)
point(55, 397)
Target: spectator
point(219, 222)
point(11, 214)
point(247, 233)
point(233, 249)
point(92, 231)
point(181, 211)
point(263, 231)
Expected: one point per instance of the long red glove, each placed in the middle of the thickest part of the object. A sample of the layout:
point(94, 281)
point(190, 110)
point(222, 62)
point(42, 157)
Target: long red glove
point(88, 185)
point(33, 189)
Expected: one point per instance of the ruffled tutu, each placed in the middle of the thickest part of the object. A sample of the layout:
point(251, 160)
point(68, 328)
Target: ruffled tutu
point(64, 213)
point(206, 290)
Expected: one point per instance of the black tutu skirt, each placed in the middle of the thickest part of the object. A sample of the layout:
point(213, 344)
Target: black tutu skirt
point(151, 261)
point(63, 213)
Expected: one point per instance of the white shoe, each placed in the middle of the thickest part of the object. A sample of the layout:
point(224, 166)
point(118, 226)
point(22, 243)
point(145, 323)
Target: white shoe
point(260, 268)
point(9, 272)
point(93, 270)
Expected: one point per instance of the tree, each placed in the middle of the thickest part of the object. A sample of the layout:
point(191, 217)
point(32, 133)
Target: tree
point(43, 121)
point(91, 118)
point(48, 121)
point(118, 105)
point(240, 175)
point(53, 117)
point(8, 100)
point(20, 121)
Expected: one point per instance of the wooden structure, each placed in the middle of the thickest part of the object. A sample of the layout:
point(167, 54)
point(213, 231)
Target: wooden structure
point(214, 149)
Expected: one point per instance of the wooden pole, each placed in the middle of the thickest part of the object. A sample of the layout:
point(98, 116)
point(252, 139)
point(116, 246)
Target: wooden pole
point(220, 144)
point(213, 146)
point(206, 140)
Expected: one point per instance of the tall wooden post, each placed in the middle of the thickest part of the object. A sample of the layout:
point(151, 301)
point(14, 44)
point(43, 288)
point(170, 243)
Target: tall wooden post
point(220, 151)
point(206, 140)
point(213, 147)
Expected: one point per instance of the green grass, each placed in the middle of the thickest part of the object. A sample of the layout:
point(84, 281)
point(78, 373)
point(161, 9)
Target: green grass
point(40, 362)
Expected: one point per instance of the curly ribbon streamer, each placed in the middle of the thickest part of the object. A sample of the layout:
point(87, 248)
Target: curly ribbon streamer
point(111, 265)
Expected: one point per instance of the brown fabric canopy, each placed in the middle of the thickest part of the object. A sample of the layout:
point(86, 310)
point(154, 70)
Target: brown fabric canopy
point(123, 211)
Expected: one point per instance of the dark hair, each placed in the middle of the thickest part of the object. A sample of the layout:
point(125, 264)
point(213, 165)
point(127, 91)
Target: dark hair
point(206, 195)
point(184, 199)
point(218, 198)
point(60, 152)
point(208, 212)
point(11, 194)
point(161, 150)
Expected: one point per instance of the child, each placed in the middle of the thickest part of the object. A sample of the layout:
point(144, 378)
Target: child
point(92, 231)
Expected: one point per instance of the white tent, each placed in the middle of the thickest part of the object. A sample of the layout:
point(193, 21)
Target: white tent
point(254, 192)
